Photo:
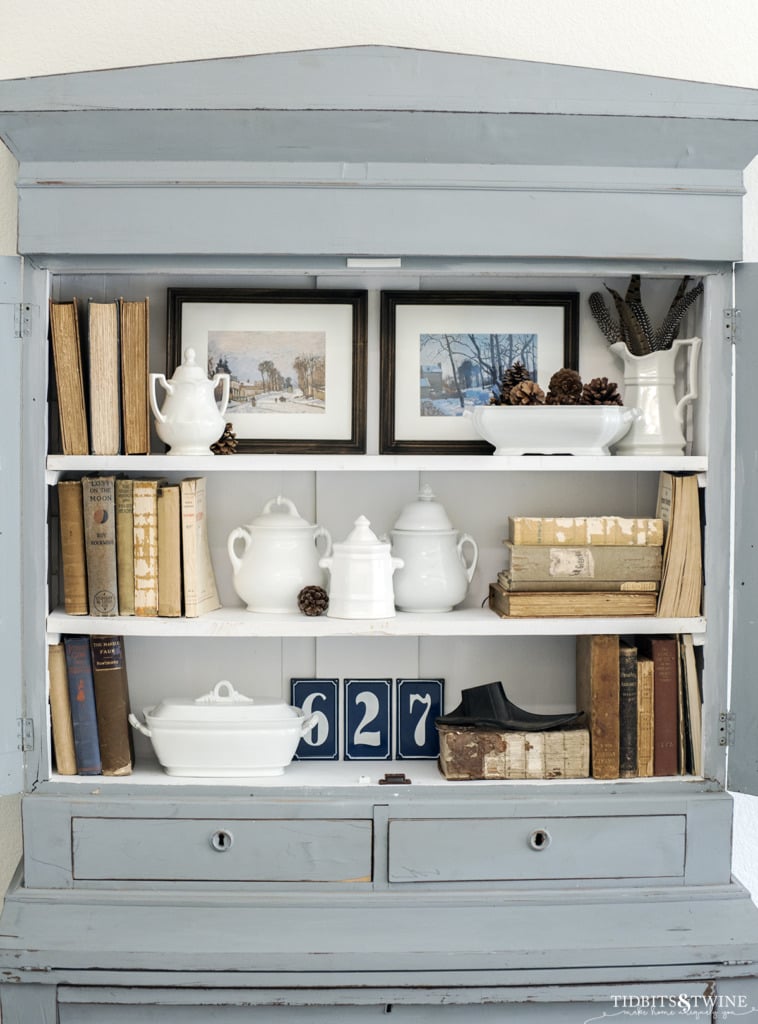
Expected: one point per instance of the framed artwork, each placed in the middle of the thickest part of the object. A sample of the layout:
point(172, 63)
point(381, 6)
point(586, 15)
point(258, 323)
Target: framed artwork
point(368, 719)
point(319, 697)
point(418, 702)
point(296, 359)
point(442, 353)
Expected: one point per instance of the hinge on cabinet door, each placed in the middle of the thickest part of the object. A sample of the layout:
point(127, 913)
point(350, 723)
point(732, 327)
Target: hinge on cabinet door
point(732, 326)
point(25, 734)
point(22, 320)
point(726, 728)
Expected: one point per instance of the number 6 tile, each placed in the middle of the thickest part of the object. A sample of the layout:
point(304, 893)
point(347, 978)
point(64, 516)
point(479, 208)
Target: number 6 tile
point(318, 697)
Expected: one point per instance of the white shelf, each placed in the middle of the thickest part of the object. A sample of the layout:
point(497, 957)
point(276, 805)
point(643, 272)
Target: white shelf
point(57, 464)
point(236, 622)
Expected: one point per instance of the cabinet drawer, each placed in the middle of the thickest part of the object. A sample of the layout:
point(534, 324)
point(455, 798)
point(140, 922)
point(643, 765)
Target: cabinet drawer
point(478, 849)
point(262, 850)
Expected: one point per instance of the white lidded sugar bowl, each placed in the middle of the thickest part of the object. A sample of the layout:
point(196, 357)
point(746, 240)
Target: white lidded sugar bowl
point(436, 574)
point(361, 570)
point(191, 419)
point(280, 557)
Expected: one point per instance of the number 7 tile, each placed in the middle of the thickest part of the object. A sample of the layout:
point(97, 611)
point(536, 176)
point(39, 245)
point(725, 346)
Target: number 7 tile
point(418, 702)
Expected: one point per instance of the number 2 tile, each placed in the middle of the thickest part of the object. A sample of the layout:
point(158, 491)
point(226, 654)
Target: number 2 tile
point(368, 719)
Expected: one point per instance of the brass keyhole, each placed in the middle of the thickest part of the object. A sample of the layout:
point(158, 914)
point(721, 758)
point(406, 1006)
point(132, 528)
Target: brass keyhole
point(539, 839)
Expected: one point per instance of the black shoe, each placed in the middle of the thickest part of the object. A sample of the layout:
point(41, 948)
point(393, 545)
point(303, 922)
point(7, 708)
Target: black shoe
point(487, 707)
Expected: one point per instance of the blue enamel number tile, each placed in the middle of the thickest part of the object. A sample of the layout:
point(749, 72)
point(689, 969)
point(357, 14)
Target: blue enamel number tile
point(319, 697)
point(418, 703)
point(368, 719)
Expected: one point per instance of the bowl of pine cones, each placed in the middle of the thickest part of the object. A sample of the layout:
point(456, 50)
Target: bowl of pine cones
point(571, 418)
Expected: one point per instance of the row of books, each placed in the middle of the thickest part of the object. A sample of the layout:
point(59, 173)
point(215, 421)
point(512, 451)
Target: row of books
point(606, 565)
point(89, 706)
point(641, 696)
point(102, 378)
point(135, 547)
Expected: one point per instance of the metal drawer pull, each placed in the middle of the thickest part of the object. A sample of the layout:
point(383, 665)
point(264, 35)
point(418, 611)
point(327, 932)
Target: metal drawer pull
point(222, 840)
point(539, 839)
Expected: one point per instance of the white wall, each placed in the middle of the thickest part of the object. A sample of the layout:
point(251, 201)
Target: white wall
point(704, 40)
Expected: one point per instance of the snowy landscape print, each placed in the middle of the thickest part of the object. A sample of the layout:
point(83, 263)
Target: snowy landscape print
point(459, 371)
point(271, 371)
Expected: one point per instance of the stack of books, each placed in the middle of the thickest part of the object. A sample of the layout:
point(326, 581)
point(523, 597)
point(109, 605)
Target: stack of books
point(580, 566)
point(135, 547)
point(641, 696)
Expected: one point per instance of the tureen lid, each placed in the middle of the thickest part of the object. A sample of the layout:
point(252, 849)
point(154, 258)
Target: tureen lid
point(222, 704)
point(188, 370)
point(280, 513)
point(425, 513)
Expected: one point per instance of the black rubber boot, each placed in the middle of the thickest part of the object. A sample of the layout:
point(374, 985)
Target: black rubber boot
point(487, 707)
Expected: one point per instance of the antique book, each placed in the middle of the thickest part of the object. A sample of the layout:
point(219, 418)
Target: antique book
point(583, 584)
point(145, 533)
point(69, 377)
point(104, 375)
point(60, 711)
point(597, 694)
point(627, 710)
point(612, 562)
point(81, 691)
point(200, 590)
point(467, 753)
point(693, 702)
point(572, 603)
point(112, 704)
point(665, 656)
point(169, 550)
point(584, 530)
point(125, 544)
point(682, 575)
point(99, 504)
point(135, 348)
point(73, 553)
point(645, 716)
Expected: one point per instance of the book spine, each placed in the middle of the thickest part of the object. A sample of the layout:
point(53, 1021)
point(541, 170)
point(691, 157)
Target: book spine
point(645, 720)
point(135, 344)
point(82, 698)
point(533, 562)
point(146, 547)
point(627, 711)
point(99, 504)
point(112, 703)
point(597, 694)
point(665, 705)
point(569, 604)
point(583, 530)
point(169, 552)
point(60, 711)
point(73, 553)
point(69, 377)
point(125, 545)
point(104, 378)
point(582, 585)
point(200, 590)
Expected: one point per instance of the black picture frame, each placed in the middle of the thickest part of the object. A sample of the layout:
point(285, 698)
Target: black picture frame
point(403, 429)
point(332, 322)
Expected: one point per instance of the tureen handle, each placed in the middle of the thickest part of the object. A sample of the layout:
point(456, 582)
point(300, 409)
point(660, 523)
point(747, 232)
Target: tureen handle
point(309, 722)
point(223, 692)
point(466, 539)
point(279, 500)
point(136, 724)
point(239, 532)
point(158, 378)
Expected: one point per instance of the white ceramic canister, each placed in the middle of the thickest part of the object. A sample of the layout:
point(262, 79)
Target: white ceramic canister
point(191, 419)
point(361, 570)
point(436, 575)
point(280, 557)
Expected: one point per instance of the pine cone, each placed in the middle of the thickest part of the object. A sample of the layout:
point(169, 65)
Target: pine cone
point(600, 391)
point(528, 392)
point(513, 375)
point(313, 600)
point(565, 388)
point(227, 443)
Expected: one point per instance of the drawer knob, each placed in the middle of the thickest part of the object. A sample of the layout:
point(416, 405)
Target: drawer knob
point(539, 839)
point(222, 840)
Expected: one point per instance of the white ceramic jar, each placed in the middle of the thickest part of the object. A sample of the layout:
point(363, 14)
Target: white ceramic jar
point(280, 557)
point(191, 419)
point(435, 575)
point(361, 570)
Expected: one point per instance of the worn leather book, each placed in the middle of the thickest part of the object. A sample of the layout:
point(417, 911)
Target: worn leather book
point(575, 604)
point(627, 710)
point(135, 348)
point(104, 374)
point(200, 590)
point(467, 753)
point(663, 650)
point(169, 550)
point(645, 716)
point(583, 530)
point(125, 544)
point(145, 532)
point(112, 704)
point(612, 562)
point(597, 695)
point(99, 505)
point(81, 691)
point(60, 711)
point(73, 554)
point(583, 584)
point(69, 377)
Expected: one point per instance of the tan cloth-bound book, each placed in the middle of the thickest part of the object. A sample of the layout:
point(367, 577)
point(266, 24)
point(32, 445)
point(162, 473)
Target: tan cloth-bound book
point(570, 603)
point(682, 576)
point(69, 379)
point(581, 530)
point(60, 711)
point(135, 349)
point(73, 556)
point(200, 590)
point(99, 504)
point(125, 544)
point(597, 695)
point(645, 716)
point(145, 510)
point(611, 562)
point(169, 551)
point(104, 378)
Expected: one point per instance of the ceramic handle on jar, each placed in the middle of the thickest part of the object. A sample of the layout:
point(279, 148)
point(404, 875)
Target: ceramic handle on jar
point(136, 724)
point(225, 383)
point(279, 500)
point(691, 376)
point(239, 534)
point(321, 531)
point(471, 568)
point(158, 378)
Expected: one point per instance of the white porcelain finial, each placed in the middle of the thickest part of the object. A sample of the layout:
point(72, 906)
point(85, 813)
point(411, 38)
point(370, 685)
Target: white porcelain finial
point(189, 356)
